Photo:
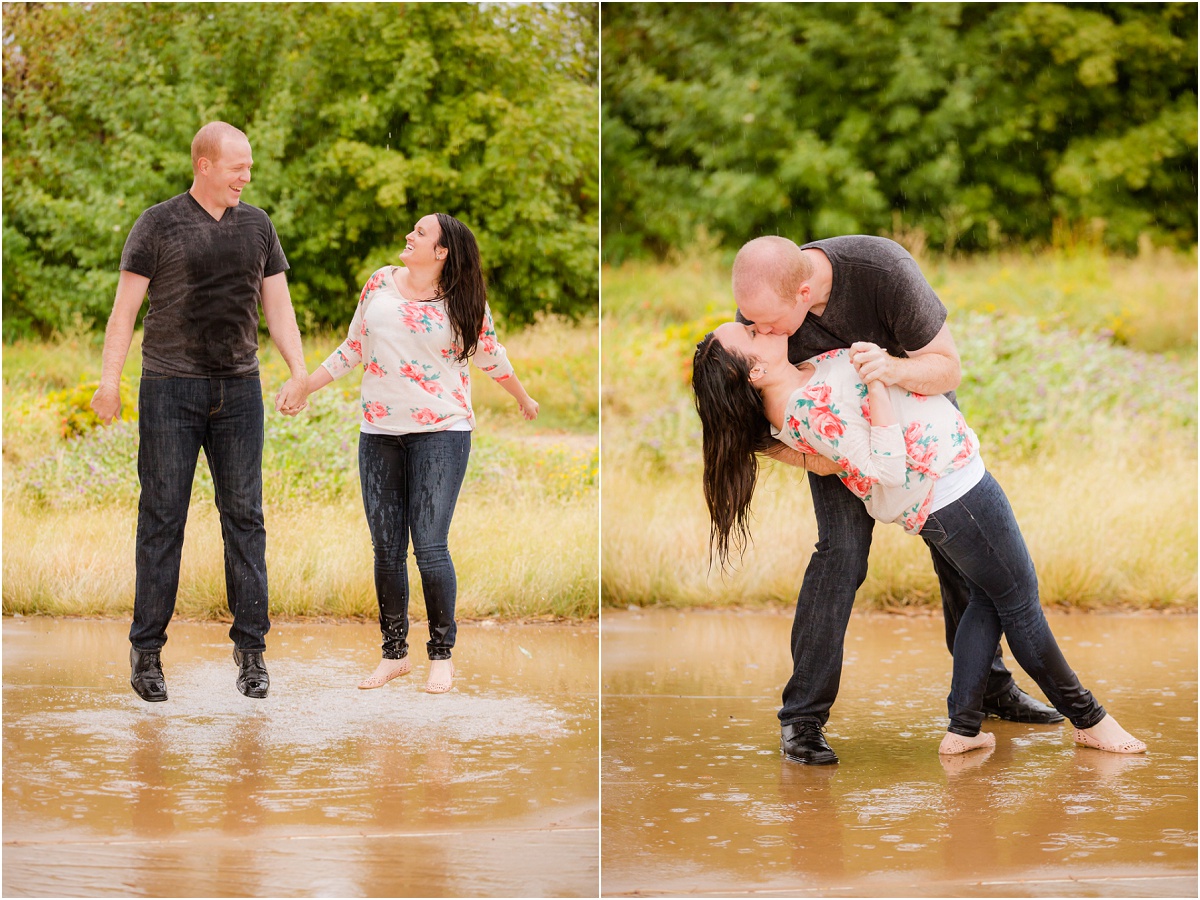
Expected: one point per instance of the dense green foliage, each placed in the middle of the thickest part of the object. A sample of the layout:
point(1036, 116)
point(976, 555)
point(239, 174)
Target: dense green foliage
point(362, 117)
point(977, 125)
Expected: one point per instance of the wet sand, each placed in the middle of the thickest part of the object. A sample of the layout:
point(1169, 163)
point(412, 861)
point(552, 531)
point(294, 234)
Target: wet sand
point(698, 801)
point(319, 790)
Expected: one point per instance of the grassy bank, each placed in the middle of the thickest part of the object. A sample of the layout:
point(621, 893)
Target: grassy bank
point(524, 537)
point(1080, 379)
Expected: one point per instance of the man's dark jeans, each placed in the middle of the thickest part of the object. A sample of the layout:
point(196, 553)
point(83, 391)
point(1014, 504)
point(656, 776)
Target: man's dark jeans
point(410, 485)
point(176, 418)
point(834, 574)
point(979, 537)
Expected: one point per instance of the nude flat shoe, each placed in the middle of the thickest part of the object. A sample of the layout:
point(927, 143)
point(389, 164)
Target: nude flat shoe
point(1133, 745)
point(440, 687)
point(955, 743)
point(377, 680)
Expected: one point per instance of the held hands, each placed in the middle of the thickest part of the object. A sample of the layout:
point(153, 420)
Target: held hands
point(872, 363)
point(106, 403)
point(292, 398)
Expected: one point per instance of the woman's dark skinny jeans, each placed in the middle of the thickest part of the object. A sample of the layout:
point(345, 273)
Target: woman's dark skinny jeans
point(410, 485)
point(978, 535)
point(835, 572)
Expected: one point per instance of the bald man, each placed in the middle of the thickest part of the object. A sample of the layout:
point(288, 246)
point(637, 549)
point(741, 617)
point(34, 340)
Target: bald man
point(207, 261)
point(826, 295)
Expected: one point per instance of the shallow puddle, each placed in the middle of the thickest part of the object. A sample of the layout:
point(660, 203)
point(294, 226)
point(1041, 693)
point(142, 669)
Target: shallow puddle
point(321, 789)
point(697, 799)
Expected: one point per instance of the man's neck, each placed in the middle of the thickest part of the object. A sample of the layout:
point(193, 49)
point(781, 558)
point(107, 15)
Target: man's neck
point(213, 208)
point(821, 280)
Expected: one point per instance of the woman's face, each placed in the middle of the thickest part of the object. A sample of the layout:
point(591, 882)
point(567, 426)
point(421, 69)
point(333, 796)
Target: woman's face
point(421, 244)
point(744, 339)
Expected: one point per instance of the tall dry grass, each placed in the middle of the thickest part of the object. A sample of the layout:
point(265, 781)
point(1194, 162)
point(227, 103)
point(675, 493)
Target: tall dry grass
point(1104, 530)
point(319, 561)
point(524, 537)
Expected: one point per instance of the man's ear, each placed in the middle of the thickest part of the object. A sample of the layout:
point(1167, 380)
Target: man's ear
point(804, 295)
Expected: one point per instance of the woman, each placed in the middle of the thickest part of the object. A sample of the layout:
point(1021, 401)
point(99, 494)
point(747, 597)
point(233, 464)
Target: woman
point(415, 328)
point(912, 460)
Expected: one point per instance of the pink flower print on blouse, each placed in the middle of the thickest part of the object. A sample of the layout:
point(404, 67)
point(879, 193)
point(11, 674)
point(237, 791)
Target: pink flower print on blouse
point(461, 399)
point(866, 412)
point(488, 343)
point(825, 422)
point(819, 393)
point(427, 416)
point(829, 354)
point(421, 318)
point(356, 346)
point(373, 411)
point(915, 520)
point(375, 368)
point(860, 485)
point(418, 372)
point(373, 284)
point(793, 427)
point(451, 353)
point(921, 449)
point(962, 437)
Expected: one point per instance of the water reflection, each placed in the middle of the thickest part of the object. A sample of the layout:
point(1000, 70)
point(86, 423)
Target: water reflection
point(320, 788)
point(696, 796)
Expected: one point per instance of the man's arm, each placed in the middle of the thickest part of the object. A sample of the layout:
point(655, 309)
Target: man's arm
point(131, 291)
point(818, 465)
point(281, 323)
point(933, 369)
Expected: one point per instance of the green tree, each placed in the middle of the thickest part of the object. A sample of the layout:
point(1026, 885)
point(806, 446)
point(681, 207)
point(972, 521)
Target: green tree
point(980, 123)
point(363, 117)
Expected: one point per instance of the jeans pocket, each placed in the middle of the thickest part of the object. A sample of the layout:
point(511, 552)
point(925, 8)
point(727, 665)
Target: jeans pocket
point(933, 530)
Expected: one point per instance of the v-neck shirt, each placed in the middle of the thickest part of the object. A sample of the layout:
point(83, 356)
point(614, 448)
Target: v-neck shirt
point(206, 279)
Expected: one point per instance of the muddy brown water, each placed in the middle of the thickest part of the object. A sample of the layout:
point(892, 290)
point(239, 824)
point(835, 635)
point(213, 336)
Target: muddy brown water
point(319, 790)
point(697, 799)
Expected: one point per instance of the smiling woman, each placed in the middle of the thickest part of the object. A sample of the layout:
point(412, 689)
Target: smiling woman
point(414, 330)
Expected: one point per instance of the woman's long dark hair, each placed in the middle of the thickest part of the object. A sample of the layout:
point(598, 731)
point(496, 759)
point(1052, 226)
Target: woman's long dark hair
point(462, 284)
point(735, 429)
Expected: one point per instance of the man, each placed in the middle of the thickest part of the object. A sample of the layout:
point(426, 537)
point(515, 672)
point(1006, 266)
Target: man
point(825, 295)
point(207, 260)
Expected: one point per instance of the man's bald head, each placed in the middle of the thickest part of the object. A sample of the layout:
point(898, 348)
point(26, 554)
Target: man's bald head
point(770, 263)
point(208, 140)
point(769, 275)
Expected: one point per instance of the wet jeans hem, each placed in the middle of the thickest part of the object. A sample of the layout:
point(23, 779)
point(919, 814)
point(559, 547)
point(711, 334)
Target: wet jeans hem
point(796, 720)
point(1089, 721)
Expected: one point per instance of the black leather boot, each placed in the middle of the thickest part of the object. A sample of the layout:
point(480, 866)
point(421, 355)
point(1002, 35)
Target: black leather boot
point(252, 679)
point(146, 675)
point(1014, 705)
point(804, 743)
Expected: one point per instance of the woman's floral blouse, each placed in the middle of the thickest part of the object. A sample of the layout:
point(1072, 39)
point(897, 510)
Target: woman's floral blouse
point(411, 380)
point(892, 469)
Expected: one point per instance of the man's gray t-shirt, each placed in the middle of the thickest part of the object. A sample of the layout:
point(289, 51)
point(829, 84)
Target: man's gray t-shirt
point(205, 285)
point(878, 295)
